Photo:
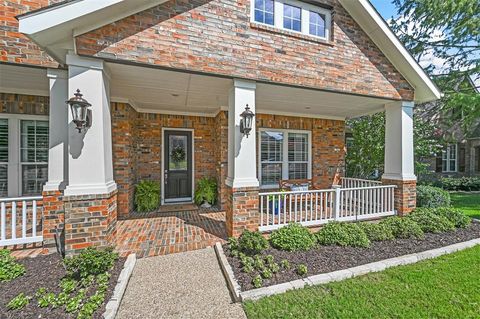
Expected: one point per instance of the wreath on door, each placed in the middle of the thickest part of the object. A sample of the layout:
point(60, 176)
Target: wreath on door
point(178, 154)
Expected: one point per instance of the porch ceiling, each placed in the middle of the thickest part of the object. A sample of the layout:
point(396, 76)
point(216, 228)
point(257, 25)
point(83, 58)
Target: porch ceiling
point(163, 91)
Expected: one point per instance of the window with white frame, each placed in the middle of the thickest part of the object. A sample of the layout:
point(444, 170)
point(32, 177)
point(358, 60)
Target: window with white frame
point(294, 16)
point(23, 155)
point(284, 154)
point(449, 158)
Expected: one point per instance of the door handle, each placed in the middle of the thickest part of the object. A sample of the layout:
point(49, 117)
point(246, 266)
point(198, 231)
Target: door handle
point(165, 176)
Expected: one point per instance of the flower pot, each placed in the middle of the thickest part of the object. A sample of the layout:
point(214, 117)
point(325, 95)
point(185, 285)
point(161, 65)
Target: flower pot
point(275, 206)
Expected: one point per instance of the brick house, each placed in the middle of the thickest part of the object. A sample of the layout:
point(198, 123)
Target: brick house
point(175, 76)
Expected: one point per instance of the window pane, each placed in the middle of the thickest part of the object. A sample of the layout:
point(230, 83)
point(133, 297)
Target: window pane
point(3, 140)
point(33, 179)
point(271, 173)
point(178, 153)
point(292, 17)
point(297, 147)
point(453, 151)
point(444, 165)
point(452, 166)
point(3, 180)
point(297, 170)
point(317, 24)
point(34, 141)
point(264, 11)
point(271, 146)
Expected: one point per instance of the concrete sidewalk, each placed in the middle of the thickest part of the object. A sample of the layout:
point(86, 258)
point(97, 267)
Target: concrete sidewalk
point(183, 285)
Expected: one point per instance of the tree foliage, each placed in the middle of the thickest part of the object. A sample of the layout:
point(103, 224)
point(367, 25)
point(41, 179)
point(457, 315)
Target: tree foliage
point(448, 31)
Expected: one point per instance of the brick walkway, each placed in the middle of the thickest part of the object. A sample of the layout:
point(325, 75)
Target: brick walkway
point(165, 233)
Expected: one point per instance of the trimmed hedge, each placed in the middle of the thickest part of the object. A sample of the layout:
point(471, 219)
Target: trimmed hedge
point(403, 227)
point(430, 222)
point(456, 216)
point(460, 184)
point(292, 237)
point(377, 231)
point(342, 234)
point(432, 197)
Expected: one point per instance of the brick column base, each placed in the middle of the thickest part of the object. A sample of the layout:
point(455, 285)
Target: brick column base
point(242, 210)
point(90, 220)
point(53, 216)
point(405, 195)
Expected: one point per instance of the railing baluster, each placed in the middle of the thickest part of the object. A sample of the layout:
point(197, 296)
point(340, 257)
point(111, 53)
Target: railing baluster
point(3, 230)
point(261, 209)
point(24, 219)
point(14, 220)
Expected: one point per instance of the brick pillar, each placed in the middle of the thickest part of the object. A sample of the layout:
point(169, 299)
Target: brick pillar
point(242, 211)
point(53, 216)
point(405, 195)
point(90, 220)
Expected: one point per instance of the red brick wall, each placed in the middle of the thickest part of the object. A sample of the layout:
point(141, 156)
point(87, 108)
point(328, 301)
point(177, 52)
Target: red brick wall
point(216, 36)
point(24, 104)
point(242, 210)
point(16, 47)
point(328, 144)
point(405, 195)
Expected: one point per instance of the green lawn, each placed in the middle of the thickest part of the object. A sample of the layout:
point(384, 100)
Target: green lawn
point(468, 203)
point(445, 287)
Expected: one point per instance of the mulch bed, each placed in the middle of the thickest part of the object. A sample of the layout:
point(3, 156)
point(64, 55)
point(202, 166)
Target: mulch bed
point(46, 271)
point(325, 259)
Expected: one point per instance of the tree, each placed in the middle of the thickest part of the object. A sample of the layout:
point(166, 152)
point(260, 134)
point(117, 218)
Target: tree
point(448, 31)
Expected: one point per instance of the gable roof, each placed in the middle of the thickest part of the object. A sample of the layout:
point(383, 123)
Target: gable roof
point(54, 28)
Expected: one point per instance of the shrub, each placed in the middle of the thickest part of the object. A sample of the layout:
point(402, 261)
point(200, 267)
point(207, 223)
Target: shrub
point(147, 196)
point(403, 227)
point(431, 197)
point(206, 191)
point(274, 267)
point(460, 184)
point(9, 268)
point(267, 273)
point(302, 270)
point(343, 234)
point(456, 216)
point(377, 232)
point(292, 237)
point(285, 264)
point(252, 243)
point(430, 222)
point(257, 281)
point(91, 261)
point(20, 301)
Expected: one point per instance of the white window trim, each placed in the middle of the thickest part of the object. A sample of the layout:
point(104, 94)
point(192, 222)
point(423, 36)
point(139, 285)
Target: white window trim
point(447, 152)
point(306, 8)
point(284, 155)
point(14, 163)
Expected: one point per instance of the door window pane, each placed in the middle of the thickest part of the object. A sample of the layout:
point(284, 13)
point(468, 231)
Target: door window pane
point(178, 152)
point(264, 11)
point(292, 17)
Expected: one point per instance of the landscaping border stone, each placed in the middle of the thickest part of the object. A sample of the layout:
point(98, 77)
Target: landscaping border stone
point(338, 275)
point(227, 270)
point(114, 302)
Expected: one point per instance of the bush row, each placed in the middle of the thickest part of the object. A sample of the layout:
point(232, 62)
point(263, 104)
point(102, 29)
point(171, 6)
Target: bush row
point(459, 184)
point(295, 237)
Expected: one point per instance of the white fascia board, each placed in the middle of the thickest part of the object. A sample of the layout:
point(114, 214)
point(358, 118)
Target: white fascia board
point(377, 29)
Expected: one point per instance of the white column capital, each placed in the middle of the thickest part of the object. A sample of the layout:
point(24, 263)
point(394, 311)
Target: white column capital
point(399, 152)
point(244, 84)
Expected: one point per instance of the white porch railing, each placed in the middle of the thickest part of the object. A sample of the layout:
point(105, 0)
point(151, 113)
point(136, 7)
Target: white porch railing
point(348, 182)
point(317, 207)
point(19, 219)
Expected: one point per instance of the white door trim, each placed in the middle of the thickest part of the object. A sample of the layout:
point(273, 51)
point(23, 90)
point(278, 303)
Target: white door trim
point(162, 175)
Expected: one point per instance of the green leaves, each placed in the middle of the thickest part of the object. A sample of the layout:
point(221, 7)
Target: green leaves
point(292, 237)
point(19, 302)
point(9, 267)
point(147, 196)
point(206, 191)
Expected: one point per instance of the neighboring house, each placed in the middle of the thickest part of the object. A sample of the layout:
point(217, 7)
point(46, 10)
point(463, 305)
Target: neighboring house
point(168, 82)
point(461, 154)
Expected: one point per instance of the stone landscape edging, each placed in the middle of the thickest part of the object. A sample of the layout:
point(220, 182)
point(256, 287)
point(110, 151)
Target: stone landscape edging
point(338, 275)
point(114, 302)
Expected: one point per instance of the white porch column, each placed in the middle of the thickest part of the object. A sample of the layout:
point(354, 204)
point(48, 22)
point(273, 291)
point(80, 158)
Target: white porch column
point(399, 156)
point(90, 165)
point(58, 132)
point(399, 160)
point(242, 151)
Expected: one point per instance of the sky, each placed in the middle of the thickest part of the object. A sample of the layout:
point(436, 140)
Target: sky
point(385, 7)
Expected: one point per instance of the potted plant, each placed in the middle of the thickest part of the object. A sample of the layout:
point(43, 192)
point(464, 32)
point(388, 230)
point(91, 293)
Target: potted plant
point(276, 205)
point(206, 192)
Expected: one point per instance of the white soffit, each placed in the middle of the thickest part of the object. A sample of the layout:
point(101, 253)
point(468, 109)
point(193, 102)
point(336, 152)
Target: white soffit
point(376, 28)
point(54, 28)
point(23, 80)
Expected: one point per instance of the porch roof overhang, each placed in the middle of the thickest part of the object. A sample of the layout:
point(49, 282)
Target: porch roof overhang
point(54, 29)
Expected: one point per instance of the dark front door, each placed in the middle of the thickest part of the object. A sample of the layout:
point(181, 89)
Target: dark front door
point(177, 166)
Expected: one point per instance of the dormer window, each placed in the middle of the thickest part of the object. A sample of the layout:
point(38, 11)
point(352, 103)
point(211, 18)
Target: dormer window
point(293, 15)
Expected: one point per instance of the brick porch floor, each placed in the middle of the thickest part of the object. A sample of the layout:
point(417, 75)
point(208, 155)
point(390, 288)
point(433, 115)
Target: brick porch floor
point(165, 233)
